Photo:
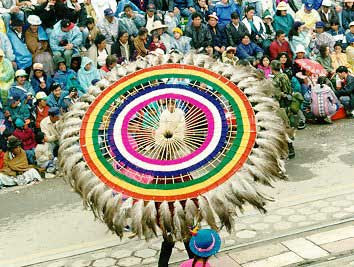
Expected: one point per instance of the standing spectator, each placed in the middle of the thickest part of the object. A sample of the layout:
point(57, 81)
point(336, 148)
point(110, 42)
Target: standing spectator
point(26, 136)
point(180, 43)
point(124, 48)
point(23, 56)
point(40, 81)
point(109, 26)
point(327, 14)
point(217, 33)
point(37, 43)
point(6, 76)
point(322, 38)
point(65, 40)
point(100, 5)
point(87, 73)
point(347, 13)
point(198, 32)
point(282, 20)
point(131, 21)
point(347, 90)
point(254, 25)
point(308, 15)
point(140, 42)
point(41, 109)
point(44, 155)
point(21, 86)
point(280, 44)
point(49, 128)
point(235, 30)
point(184, 7)
point(56, 98)
point(224, 9)
point(249, 51)
point(100, 51)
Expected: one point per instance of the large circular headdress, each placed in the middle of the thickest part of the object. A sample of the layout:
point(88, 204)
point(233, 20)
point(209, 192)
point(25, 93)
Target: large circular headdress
point(170, 145)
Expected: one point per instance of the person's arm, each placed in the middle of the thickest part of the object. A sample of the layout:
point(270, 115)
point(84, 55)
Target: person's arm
point(208, 41)
point(9, 52)
point(76, 38)
point(242, 53)
point(53, 41)
point(273, 51)
point(52, 137)
point(228, 32)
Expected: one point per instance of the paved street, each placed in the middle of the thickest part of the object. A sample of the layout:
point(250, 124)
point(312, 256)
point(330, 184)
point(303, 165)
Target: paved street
point(311, 222)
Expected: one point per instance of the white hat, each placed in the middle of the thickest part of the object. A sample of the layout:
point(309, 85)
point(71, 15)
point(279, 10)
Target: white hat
point(351, 24)
point(282, 6)
point(41, 95)
point(213, 15)
point(327, 3)
point(37, 66)
point(158, 25)
point(34, 20)
point(300, 49)
point(20, 73)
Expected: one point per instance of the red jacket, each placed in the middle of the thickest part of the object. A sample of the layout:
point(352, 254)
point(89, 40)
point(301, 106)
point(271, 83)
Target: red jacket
point(26, 136)
point(40, 115)
point(153, 46)
point(276, 48)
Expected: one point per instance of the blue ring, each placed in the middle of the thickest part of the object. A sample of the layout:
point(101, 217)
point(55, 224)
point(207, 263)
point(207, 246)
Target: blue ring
point(120, 158)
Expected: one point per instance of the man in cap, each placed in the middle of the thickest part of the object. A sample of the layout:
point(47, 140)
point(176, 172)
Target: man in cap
point(349, 36)
point(49, 128)
point(328, 14)
point(23, 56)
point(217, 34)
point(235, 30)
point(21, 86)
point(109, 26)
point(150, 17)
point(17, 109)
point(308, 14)
point(322, 38)
point(65, 40)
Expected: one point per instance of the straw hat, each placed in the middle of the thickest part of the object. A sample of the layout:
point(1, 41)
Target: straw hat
point(282, 6)
point(158, 25)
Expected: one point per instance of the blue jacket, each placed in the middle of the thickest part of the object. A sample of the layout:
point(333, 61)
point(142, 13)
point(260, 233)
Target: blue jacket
point(284, 23)
point(74, 37)
point(249, 51)
point(64, 78)
point(219, 38)
point(86, 77)
point(182, 4)
point(52, 101)
point(23, 56)
point(347, 17)
point(21, 91)
point(224, 12)
point(6, 46)
point(35, 84)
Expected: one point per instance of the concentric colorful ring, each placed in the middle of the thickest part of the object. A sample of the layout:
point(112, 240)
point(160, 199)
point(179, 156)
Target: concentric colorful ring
point(235, 157)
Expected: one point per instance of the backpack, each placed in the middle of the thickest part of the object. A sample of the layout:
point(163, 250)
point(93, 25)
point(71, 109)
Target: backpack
point(323, 101)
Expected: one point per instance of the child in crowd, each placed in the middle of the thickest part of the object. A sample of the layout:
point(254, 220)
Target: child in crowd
point(26, 136)
point(44, 155)
point(156, 43)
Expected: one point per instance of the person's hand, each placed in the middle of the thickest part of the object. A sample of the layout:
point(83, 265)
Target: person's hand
point(69, 46)
point(14, 9)
point(256, 62)
point(176, 11)
point(45, 138)
point(217, 49)
point(14, 65)
point(257, 37)
point(222, 49)
point(171, 14)
point(82, 28)
point(191, 9)
point(77, 7)
point(338, 8)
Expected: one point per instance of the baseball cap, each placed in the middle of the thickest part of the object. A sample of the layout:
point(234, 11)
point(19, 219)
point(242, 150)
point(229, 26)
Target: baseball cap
point(54, 111)
point(37, 66)
point(151, 7)
point(320, 24)
point(108, 12)
point(72, 89)
point(41, 96)
point(67, 24)
point(20, 73)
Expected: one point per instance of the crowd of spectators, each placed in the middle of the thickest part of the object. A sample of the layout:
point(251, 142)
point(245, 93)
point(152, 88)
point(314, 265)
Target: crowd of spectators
point(51, 51)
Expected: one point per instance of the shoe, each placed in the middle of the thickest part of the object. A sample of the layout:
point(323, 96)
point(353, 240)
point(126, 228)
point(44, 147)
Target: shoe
point(49, 175)
point(302, 125)
point(291, 153)
point(327, 120)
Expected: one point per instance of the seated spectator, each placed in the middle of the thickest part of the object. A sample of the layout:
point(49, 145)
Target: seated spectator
point(180, 43)
point(235, 30)
point(298, 36)
point(100, 5)
point(224, 9)
point(16, 170)
point(269, 34)
point(65, 40)
point(40, 81)
point(217, 33)
point(198, 32)
point(49, 128)
point(286, 64)
point(346, 92)
point(350, 51)
point(336, 31)
point(131, 21)
point(161, 29)
point(109, 26)
point(37, 43)
point(122, 3)
point(184, 7)
point(327, 14)
point(322, 38)
point(347, 13)
point(66, 77)
point(280, 44)
point(87, 73)
point(308, 15)
point(349, 36)
point(228, 56)
point(26, 136)
point(201, 6)
point(23, 56)
point(282, 20)
point(249, 50)
point(6, 76)
point(17, 109)
point(339, 58)
point(300, 53)
point(21, 86)
point(150, 17)
point(71, 98)
point(264, 66)
point(156, 43)
point(140, 42)
point(92, 31)
point(76, 12)
point(100, 51)
point(41, 109)
point(254, 25)
point(164, 5)
point(124, 48)
point(111, 63)
point(75, 63)
point(56, 98)
point(44, 155)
